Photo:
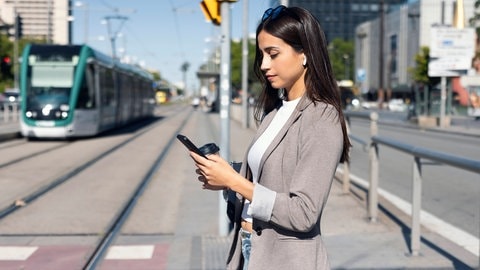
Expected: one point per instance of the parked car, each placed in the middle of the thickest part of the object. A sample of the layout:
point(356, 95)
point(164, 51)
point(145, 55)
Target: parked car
point(10, 99)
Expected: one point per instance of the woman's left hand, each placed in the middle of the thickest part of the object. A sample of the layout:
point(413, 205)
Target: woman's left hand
point(214, 172)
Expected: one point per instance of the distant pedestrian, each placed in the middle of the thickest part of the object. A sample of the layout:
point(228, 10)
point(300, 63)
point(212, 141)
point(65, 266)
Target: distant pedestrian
point(287, 173)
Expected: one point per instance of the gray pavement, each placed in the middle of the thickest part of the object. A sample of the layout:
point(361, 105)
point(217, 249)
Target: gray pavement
point(352, 241)
point(9, 130)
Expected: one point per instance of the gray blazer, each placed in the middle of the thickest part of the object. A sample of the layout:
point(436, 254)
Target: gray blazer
point(295, 177)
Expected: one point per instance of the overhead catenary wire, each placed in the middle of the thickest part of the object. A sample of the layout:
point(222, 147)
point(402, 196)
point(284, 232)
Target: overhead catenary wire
point(177, 29)
point(137, 38)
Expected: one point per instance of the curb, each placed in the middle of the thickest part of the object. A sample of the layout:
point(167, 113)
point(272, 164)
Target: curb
point(9, 136)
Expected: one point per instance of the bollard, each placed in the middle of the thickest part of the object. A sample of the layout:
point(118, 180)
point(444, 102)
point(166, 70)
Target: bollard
point(6, 113)
point(416, 206)
point(346, 165)
point(373, 186)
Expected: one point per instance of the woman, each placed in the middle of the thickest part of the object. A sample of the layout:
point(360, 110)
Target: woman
point(286, 175)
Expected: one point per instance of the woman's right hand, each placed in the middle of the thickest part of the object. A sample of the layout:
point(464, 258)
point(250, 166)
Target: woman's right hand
point(205, 185)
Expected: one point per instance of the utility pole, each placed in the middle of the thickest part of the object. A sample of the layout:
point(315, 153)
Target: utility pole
point(245, 105)
point(113, 36)
point(381, 90)
point(49, 23)
point(15, 47)
point(184, 68)
point(70, 22)
point(225, 96)
point(218, 12)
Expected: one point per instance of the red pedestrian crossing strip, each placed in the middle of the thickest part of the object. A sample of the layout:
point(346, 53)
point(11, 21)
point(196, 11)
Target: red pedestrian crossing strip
point(118, 257)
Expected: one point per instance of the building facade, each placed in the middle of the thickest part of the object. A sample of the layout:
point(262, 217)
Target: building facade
point(339, 18)
point(43, 19)
point(385, 63)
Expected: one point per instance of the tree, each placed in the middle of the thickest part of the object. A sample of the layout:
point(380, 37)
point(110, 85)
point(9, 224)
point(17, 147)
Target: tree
point(236, 67)
point(184, 68)
point(6, 49)
point(341, 54)
point(420, 71)
point(156, 75)
point(476, 17)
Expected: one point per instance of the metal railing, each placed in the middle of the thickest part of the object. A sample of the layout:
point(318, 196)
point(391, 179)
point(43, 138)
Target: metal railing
point(417, 153)
point(10, 113)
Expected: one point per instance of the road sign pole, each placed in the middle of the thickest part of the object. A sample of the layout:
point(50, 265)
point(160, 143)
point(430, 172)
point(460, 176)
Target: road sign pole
point(225, 94)
point(443, 99)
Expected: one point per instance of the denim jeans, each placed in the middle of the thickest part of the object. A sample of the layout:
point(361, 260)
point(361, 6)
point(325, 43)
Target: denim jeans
point(246, 246)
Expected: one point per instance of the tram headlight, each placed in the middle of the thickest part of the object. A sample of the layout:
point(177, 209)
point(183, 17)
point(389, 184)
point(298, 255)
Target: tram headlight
point(46, 110)
point(64, 114)
point(28, 114)
point(64, 107)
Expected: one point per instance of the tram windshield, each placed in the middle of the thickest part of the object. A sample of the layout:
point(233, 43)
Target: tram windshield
point(49, 85)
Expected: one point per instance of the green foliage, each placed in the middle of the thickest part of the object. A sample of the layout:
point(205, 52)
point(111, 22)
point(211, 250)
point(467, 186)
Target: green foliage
point(341, 55)
point(236, 62)
point(6, 45)
point(156, 75)
point(7, 49)
point(420, 71)
point(476, 18)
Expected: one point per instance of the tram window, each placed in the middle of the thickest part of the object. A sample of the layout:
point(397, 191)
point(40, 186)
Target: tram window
point(86, 96)
point(52, 75)
point(106, 87)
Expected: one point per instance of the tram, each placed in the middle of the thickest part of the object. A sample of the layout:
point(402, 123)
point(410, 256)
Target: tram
point(75, 91)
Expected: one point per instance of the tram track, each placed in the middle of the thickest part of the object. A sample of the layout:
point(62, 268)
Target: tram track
point(32, 155)
point(32, 194)
point(128, 197)
point(12, 143)
point(25, 200)
point(93, 201)
point(114, 228)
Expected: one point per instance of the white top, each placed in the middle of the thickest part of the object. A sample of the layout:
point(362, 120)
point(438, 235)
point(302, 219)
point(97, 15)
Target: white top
point(260, 146)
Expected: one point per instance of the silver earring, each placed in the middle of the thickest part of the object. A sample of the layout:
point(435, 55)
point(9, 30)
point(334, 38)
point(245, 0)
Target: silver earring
point(304, 61)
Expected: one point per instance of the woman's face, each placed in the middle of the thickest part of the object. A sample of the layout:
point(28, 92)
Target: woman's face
point(282, 65)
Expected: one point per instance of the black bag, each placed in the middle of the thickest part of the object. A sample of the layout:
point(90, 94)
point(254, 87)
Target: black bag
point(230, 196)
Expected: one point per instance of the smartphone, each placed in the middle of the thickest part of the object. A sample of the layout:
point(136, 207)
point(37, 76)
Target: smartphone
point(189, 144)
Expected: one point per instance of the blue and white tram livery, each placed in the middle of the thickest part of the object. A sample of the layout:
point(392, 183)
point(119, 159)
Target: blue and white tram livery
point(75, 91)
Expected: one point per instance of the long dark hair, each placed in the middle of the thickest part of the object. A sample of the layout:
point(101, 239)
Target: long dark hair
point(301, 30)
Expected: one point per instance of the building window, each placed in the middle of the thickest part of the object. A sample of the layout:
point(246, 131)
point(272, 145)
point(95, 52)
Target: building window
point(393, 54)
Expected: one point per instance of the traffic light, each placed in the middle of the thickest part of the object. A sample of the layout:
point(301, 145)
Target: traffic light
point(211, 10)
point(18, 26)
point(6, 67)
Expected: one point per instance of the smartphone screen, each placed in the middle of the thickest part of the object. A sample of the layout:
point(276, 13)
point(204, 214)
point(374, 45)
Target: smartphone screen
point(190, 146)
